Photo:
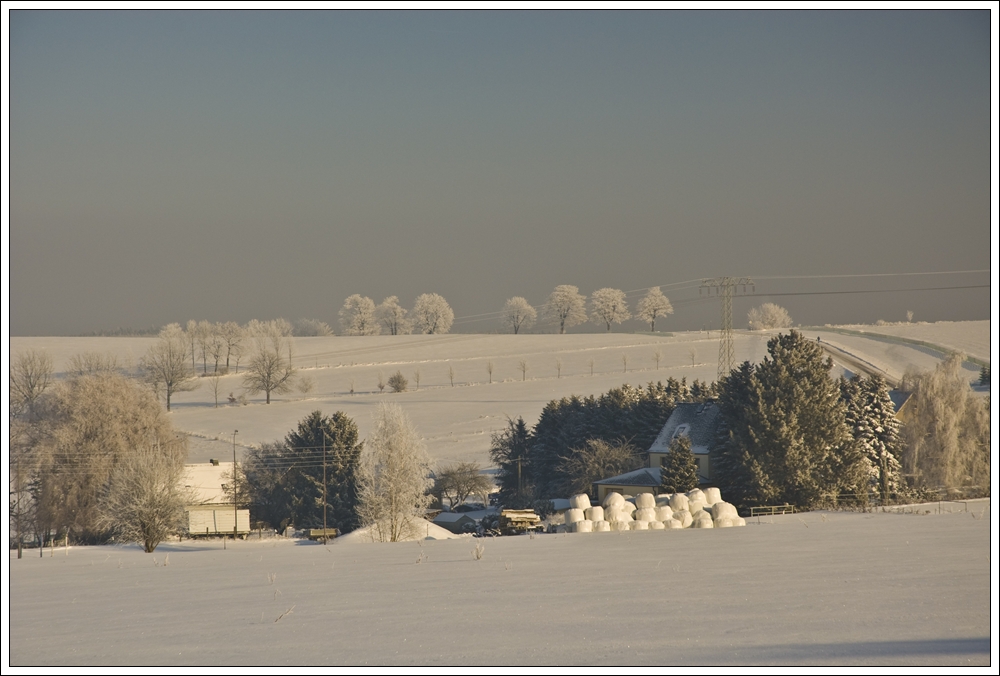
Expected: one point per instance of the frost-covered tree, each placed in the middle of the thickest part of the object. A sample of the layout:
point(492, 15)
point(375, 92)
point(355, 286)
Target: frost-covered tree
point(312, 327)
point(392, 316)
point(432, 314)
point(788, 440)
point(165, 363)
point(654, 304)
point(608, 306)
point(768, 316)
point(518, 314)
point(270, 369)
point(392, 476)
point(566, 307)
point(947, 431)
point(456, 483)
point(357, 317)
point(871, 418)
point(233, 334)
point(679, 468)
point(597, 459)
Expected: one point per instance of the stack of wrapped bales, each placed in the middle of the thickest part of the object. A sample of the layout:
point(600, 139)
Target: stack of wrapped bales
point(694, 509)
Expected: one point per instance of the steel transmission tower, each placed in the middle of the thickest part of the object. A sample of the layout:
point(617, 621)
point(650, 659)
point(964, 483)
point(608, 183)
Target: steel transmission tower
point(724, 287)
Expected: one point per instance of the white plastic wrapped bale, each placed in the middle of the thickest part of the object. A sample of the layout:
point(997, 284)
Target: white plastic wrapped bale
point(601, 526)
point(724, 509)
point(645, 501)
point(673, 523)
point(712, 496)
point(683, 517)
point(619, 525)
point(663, 499)
point(679, 502)
point(702, 520)
point(645, 514)
point(581, 501)
point(612, 500)
point(574, 515)
point(696, 494)
point(628, 507)
point(664, 512)
point(695, 506)
point(656, 525)
point(639, 525)
point(724, 522)
point(594, 513)
point(583, 526)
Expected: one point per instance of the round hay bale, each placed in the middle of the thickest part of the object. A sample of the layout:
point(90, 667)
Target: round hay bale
point(584, 526)
point(664, 512)
point(645, 501)
point(594, 513)
point(574, 515)
point(683, 517)
point(696, 494)
point(619, 525)
point(645, 514)
point(581, 501)
point(672, 523)
point(695, 506)
point(663, 499)
point(723, 509)
point(656, 525)
point(740, 521)
point(612, 500)
point(724, 522)
point(601, 526)
point(639, 525)
point(702, 520)
point(679, 502)
point(628, 507)
point(712, 496)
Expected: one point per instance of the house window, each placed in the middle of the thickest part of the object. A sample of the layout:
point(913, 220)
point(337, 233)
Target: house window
point(682, 431)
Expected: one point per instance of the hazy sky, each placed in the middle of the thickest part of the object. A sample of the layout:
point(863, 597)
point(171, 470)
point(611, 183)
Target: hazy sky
point(167, 166)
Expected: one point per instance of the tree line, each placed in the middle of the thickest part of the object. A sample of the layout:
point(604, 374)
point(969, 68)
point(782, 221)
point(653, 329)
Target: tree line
point(790, 434)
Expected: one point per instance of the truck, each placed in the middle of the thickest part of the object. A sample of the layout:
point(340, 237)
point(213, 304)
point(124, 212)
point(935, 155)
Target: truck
point(518, 521)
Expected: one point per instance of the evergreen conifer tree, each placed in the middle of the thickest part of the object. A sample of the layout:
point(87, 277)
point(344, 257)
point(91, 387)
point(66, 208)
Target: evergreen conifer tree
point(871, 418)
point(679, 470)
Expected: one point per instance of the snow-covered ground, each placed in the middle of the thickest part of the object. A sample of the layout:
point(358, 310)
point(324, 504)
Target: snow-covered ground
point(822, 588)
point(457, 421)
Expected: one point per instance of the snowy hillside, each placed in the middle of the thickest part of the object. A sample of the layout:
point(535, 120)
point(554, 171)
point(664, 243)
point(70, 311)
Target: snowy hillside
point(811, 589)
point(456, 421)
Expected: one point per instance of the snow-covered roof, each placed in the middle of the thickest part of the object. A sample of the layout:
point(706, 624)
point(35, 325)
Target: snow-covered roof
point(697, 421)
point(647, 476)
point(451, 517)
point(899, 398)
point(204, 480)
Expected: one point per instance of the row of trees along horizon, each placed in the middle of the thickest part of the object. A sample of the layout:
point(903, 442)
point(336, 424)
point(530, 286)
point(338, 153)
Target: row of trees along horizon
point(88, 452)
point(565, 308)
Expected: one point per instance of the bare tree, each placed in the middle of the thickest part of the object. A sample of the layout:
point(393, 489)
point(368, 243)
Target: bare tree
point(591, 367)
point(693, 354)
point(596, 460)
point(416, 379)
point(203, 336)
point(357, 317)
point(451, 374)
point(393, 317)
point(270, 369)
point(93, 363)
point(143, 501)
point(768, 316)
point(381, 382)
point(608, 306)
point(489, 370)
point(216, 345)
point(392, 476)
point(566, 307)
point(523, 367)
point(432, 314)
point(191, 335)
point(232, 334)
point(214, 380)
point(654, 304)
point(456, 483)
point(30, 375)
point(624, 363)
point(518, 314)
point(558, 368)
point(165, 363)
point(658, 357)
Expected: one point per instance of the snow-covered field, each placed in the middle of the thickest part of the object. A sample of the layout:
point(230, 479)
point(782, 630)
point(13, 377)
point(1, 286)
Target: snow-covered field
point(456, 421)
point(808, 589)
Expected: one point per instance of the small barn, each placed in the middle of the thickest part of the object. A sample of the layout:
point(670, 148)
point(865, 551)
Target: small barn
point(456, 522)
point(210, 510)
point(699, 422)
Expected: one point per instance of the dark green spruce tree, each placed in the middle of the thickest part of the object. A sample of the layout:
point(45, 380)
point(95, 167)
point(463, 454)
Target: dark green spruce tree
point(679, 469)
point(787, 438)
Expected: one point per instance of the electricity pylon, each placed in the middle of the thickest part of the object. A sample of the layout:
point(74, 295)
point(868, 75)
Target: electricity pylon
point(724, 287)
